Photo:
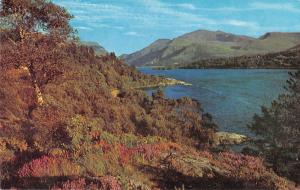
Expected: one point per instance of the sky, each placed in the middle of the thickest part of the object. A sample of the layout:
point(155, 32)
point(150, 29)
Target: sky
point(125, 26)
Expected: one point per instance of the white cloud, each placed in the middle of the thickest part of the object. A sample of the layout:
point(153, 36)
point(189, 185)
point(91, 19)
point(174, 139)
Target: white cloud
point(290, 7)
point(187, 6)
point(222, 9)
point(79, 6)
point(158, 7)
point(132, 34)
point(91, 12)
point(240, 23)
point(194, 20)
point(132, 20)
point(275, 6)
point(150, 14)
point(99, 24)
point(83, 28)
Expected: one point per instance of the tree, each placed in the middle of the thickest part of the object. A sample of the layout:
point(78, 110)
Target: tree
point(279, 130)
point(37, 28)
point(25, 17)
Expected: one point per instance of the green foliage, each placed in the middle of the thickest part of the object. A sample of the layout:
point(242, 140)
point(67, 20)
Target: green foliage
point(278, 127)
point(94, 164)
point(209, 49)
point(22, 18)
point(79, 131)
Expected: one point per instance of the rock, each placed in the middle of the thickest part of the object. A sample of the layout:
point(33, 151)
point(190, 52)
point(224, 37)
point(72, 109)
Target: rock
point(177, 82)
point(196, 167)
point(226, 138)
point(165, 82)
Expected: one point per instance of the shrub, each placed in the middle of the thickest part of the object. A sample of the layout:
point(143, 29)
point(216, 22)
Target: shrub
point(48, 166)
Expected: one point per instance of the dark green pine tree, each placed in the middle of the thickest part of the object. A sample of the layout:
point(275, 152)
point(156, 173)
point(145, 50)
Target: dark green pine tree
point(278, 131)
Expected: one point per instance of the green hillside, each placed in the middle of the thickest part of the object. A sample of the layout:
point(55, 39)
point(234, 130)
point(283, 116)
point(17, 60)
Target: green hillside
point(284, 59)
point(203, 44)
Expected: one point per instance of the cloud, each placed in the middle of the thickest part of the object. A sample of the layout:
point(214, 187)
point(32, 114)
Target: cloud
point(254, 6)
point(91, 12)
point(132, 34)
point(161, 8)
point(134, 18)
point(149, 14)
point(83, 28)
point(187, 6)
point(223, 9)
point(103, 25)
point(79, 6)
point(193, 19)
point(240, 23)
point(95, 15)
point(275, 6)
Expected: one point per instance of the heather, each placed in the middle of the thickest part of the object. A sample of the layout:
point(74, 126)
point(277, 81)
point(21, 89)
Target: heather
point(62, 127)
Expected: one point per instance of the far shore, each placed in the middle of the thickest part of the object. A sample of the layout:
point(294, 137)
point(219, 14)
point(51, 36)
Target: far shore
point(223, 68)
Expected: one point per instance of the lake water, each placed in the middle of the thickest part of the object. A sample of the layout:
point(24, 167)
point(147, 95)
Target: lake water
point(232, 96)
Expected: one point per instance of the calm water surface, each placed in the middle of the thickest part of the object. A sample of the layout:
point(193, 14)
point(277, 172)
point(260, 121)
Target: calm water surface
point(232, 96)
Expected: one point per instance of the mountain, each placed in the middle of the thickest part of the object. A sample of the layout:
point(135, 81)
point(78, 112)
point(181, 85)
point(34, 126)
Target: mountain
point(203, 44)
point(99, 50)
point(148, 54)
point(284, 59)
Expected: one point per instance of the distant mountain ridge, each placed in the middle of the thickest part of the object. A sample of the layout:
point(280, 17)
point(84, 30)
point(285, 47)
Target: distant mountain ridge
point(148, 54)
point(288, 59)
point(204, 44)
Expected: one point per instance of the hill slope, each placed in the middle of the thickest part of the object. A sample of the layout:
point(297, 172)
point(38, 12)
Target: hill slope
point(99, 50)
point(148, 54)
point(62, 128)
point(203, 44)
point(284, 59)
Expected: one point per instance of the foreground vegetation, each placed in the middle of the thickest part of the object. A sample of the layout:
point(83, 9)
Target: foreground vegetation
point(61, 127)
point(278, 130)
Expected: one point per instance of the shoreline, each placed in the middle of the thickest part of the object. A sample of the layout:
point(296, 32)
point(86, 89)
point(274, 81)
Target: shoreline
point(164, 83)
point(224, 68)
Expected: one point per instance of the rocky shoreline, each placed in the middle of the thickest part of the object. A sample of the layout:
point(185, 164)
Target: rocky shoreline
point(165, 82)
point(226, 138)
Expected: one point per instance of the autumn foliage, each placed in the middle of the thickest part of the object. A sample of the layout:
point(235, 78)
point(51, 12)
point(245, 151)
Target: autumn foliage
point(61, 127)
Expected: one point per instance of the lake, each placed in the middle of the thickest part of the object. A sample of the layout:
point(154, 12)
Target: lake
point(232, 96)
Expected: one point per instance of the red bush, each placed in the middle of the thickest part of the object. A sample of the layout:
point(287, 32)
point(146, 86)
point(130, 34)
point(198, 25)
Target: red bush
point(109, 183)
point(33, 168)
point(49, 166)
point(75, 184)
